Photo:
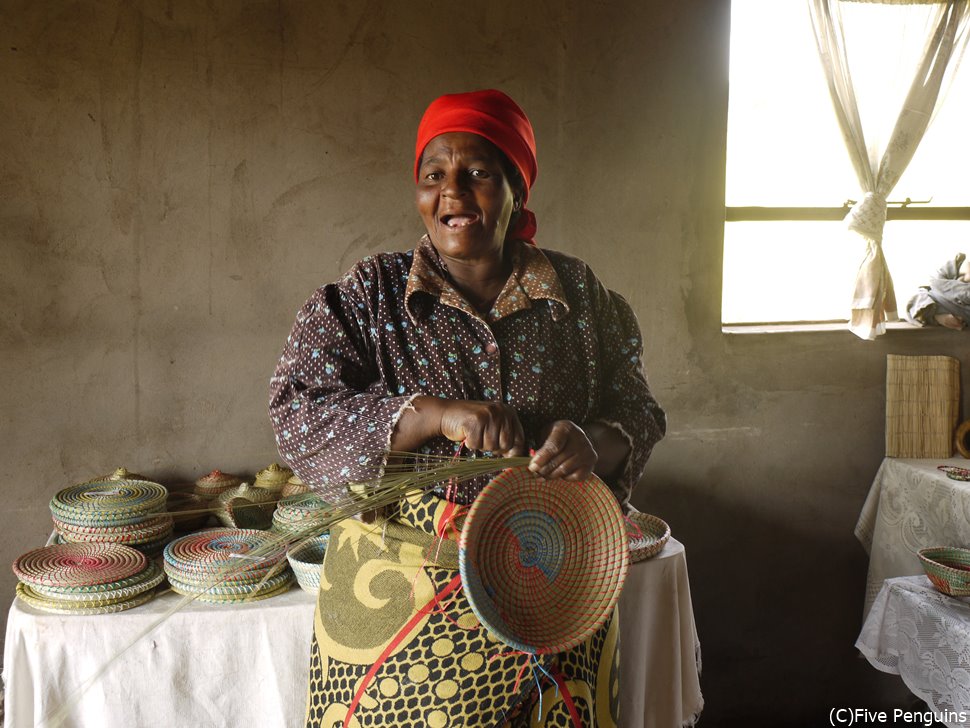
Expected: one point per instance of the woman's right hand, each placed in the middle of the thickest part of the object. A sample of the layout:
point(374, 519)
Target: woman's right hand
point(491, 426)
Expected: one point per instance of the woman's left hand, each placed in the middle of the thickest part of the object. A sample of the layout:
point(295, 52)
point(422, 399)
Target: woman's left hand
point(566, 454)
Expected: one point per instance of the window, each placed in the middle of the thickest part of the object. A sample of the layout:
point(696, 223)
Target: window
point(787, 254)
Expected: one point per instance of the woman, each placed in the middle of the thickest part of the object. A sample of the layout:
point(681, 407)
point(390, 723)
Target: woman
point(475, 337)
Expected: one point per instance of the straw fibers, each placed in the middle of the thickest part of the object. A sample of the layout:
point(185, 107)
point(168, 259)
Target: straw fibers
point(922, 405)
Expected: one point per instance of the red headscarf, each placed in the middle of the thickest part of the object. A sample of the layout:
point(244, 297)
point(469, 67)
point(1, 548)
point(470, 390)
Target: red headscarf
point(493, 115)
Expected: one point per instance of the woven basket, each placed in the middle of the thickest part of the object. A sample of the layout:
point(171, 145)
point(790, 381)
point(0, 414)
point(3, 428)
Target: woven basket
point(543, 561)
point(648, 535)
point(948, 567)
point(306, 560)
point(922, 405)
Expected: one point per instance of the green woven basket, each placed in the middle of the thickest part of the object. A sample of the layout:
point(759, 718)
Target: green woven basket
point(948, 567)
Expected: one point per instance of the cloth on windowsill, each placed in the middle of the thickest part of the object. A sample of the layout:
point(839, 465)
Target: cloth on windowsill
point(948, 294)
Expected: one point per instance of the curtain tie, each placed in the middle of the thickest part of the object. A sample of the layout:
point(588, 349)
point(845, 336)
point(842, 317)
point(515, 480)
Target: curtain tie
point(868, 216)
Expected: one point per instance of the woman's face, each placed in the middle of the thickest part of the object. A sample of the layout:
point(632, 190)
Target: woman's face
point(464, 197)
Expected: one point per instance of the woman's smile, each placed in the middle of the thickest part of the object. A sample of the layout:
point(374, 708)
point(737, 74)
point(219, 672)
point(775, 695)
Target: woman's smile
point(464, 197)
point(459, 221)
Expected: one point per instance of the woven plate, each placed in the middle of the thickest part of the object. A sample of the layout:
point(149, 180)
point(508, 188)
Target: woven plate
point(271, 584)
point(648, 535)
point(543, 561)
point(79, 564)
point(948, 567)
point(118, 591)
point(60, 592)
point(954, 473)
point(234, 599)
point(240, 556)
point(58, 607)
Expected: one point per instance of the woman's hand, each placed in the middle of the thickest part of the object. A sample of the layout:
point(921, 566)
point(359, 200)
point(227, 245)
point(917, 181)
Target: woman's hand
point(566, 454)
point(491, 426)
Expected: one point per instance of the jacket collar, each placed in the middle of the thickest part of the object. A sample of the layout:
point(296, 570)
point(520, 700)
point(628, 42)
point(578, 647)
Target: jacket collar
point(533, 279)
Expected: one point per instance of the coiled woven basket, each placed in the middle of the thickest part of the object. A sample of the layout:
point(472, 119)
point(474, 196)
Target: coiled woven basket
point(543, 561)
point(948, 567)
point(306, 560)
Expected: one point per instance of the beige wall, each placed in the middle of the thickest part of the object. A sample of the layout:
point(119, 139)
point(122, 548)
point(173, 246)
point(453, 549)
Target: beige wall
point(176, 177)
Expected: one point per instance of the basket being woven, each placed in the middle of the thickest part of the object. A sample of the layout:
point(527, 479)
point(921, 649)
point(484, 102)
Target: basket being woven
point(948, 567)
point(543, 561)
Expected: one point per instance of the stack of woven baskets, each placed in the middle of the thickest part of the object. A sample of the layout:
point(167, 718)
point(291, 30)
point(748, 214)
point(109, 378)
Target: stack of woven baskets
point(114, 510)
point(295, 514)
point(86, 578)
point(227, 565)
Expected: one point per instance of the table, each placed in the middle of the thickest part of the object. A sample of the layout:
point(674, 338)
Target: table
point(923, 636)
point(246, 665)
point(911, 505)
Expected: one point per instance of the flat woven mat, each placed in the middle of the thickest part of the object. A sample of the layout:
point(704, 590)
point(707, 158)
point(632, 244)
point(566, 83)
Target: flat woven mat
point(25, 594)
point(118, 591)
point(79, 564)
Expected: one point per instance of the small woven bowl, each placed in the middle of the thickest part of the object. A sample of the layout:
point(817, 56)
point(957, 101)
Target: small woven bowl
point(306, 559)
point(948, 567)
point(648, 535)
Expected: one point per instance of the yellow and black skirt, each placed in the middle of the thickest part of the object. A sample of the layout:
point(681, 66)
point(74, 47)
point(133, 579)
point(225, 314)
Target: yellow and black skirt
point(396, 643)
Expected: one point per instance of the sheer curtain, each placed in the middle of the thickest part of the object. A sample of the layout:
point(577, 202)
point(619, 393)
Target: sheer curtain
point(879, 167)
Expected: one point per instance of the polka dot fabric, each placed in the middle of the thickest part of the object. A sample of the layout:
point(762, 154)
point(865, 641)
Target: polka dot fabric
point(556, 345)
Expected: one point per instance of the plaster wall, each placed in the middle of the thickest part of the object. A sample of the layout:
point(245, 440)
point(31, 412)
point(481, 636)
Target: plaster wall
point(176, 178)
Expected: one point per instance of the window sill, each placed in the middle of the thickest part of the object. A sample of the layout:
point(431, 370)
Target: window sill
point(810, 326)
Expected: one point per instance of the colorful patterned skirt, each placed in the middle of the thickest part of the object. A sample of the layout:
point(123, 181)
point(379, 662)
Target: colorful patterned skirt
point(396, 643)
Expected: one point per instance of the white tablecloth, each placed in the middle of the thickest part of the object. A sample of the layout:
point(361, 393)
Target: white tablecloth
point(911, 505)
point(246, 665)
point(923, 636)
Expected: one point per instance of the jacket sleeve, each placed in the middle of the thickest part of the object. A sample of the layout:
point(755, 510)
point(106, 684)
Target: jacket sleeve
point(331, 414)
point(626, 402)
